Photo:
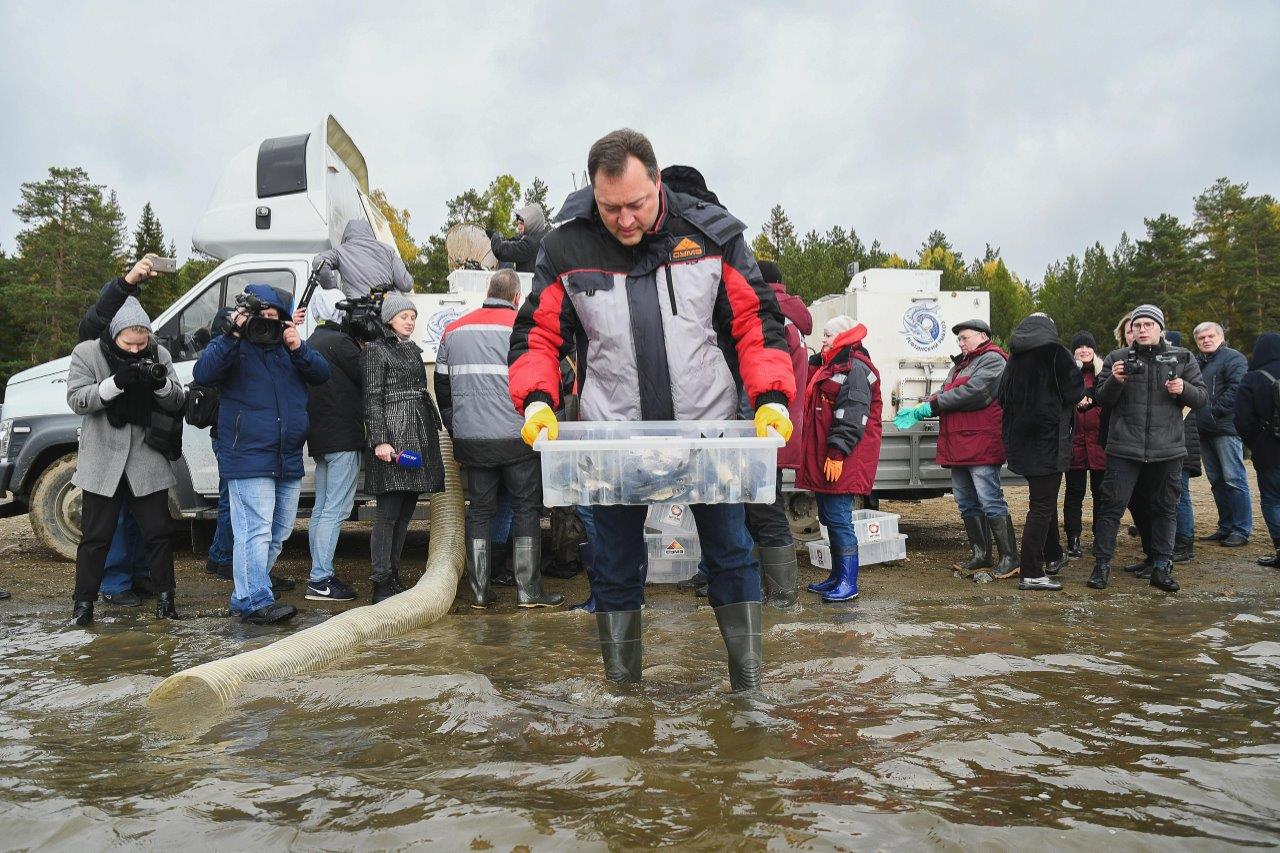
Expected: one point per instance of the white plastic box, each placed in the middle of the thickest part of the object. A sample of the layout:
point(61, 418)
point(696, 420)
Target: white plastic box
point(869, 525)
point(670, 518)
point(671, 571)
point(596, 463)
point(881, 551)
point(672, 546)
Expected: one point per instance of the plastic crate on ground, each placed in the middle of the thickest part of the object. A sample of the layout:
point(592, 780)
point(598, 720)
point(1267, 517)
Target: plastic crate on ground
point(596, 463)
point(870, 553)
point(672, 546)
point(671, 571)
point(669, 518)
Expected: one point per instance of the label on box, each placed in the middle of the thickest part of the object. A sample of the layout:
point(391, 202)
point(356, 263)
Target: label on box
point(873, 531)
point(674, 549)
point(674, 515)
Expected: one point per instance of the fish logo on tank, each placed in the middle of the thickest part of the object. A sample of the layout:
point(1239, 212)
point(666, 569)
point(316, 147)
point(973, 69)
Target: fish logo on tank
point(922, 326)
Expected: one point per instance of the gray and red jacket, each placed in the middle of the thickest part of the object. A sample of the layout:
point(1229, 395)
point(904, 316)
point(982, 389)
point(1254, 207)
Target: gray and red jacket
point(970, 418)
point(471, 387)
point(842, 418)
point(664, 330)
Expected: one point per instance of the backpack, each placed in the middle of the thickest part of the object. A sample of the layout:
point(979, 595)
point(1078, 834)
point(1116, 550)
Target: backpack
point(202, 405)
point(1271, 423)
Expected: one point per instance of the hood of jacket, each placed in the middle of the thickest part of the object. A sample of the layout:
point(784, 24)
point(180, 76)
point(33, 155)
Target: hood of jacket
point(1034, 331)
point(535, 221)
point(275, 298)
point(793, 308)
point(358, 229)
point(847, 338)
point(324, 305)
point(1266, 354)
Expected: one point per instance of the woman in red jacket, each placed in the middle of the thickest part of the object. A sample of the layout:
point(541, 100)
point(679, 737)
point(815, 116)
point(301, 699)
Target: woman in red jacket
point(841, 445)
point(1088, 459)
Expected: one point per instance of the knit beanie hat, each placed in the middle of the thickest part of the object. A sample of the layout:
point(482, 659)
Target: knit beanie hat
point(1083, 339)
point(129, 315)
point(1148, 312)
point(772, 274)
point(838, 324)
point(394, 303)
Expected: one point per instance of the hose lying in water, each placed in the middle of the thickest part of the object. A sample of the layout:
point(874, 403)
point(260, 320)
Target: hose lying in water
point(217, 683)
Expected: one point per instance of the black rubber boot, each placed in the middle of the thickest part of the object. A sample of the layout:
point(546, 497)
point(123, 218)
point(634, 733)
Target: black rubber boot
point(1074, 551)
point(778, 570)
point(620, 645)
point(1007, 544)
point(1162, 576)
point(1052, 567)
point(524, 565)
point(1101, 577)
point(1271, 561)
point(478, 556)
point(82, 613)
point(1183, 549)
point(978, 529)
point(740, 626)
point(382, 590)
point(165, 608)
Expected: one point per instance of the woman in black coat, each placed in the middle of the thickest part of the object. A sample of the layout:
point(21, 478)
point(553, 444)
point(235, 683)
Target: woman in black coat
point(1038, 392)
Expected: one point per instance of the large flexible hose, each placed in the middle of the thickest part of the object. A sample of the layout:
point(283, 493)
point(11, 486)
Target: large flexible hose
point(217, 683)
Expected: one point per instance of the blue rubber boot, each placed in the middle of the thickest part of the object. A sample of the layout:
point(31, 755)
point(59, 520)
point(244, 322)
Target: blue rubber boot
point(588, 606)
point(846, 589)
point(823, 587)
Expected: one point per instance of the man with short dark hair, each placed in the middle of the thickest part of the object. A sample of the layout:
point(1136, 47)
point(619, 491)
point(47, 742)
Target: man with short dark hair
point(471, 389)
point(660, 297)
point(1145, 386)
point(1221, 449)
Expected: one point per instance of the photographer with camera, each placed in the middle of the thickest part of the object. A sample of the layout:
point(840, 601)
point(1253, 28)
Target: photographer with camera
point(362, 263)
point(404, 435)
point(335, 442)
point(261, 368)
point(124, 386)
point(1145, 387)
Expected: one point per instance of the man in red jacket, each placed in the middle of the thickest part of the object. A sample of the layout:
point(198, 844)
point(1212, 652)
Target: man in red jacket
point(660, 297)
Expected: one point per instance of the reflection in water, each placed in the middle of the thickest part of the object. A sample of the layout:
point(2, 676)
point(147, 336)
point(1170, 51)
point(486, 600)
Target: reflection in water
point(1120, 718)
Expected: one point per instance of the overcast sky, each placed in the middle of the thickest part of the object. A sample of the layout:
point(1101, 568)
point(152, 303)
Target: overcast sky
point(1036, 127)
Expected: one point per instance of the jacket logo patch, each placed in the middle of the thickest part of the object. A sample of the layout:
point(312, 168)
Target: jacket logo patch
point(686, 249)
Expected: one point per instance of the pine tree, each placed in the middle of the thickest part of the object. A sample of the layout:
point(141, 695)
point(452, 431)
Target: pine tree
point(148, 237)
point(537, 194)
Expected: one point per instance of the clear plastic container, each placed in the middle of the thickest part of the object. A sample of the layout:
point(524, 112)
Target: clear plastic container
point(869, 525)
point(669, 546)
point(671, 571)
point(596, 463)
point(870, 553)
point(669, 518)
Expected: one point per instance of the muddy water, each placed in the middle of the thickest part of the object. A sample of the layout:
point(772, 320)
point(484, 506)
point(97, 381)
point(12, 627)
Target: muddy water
point(1066, 722)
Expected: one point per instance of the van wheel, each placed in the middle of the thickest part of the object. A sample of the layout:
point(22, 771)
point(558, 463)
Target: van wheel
point(55, 508)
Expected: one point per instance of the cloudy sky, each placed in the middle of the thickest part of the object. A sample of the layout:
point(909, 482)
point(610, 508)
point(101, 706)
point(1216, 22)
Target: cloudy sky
point(1036, 127)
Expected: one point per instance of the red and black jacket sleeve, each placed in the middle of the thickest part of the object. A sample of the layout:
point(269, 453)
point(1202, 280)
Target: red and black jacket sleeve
point(544, 333)
point(747, 312)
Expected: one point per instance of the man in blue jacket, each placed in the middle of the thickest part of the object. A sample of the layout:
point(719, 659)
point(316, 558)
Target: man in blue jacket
point(261, 367)
point(1221, 449)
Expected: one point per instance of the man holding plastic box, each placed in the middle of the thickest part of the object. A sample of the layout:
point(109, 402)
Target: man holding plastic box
point(661, 299)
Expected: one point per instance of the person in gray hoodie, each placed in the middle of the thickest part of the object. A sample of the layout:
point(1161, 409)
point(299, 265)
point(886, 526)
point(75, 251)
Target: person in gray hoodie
point(119, 383)
point(362, 262)
point(531, 227)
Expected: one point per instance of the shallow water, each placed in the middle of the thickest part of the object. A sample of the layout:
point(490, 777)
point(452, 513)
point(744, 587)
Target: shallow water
point(1065, 722)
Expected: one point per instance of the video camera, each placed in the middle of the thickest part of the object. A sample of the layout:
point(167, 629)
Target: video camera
point(258, 329)
point(364, 314)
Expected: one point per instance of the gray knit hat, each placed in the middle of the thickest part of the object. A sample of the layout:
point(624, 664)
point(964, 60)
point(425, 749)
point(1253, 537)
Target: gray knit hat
point(1149, 312)
point(394, 303)
point(129, 315)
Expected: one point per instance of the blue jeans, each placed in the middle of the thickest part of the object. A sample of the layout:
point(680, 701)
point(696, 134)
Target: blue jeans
point(620, 564)
point(263, 510)
point(1223, 457)
point(127, 557)
point(836, 512)
point(1186, 514)
point(589, 525)
point(335, 495)
point(220, 547)
point(1269, 491)
point(977, 490)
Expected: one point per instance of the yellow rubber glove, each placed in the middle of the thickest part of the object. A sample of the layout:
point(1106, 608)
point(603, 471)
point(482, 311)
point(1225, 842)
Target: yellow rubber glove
point(832, 468)
point(773, 415)
point(537, 417)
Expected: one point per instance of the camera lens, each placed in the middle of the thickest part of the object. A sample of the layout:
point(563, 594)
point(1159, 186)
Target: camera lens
point(158, 371)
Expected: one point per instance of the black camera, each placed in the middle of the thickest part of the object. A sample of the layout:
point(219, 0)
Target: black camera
point(1134, 366)
point(154, 369)
point(364, 314)
point(258, 329)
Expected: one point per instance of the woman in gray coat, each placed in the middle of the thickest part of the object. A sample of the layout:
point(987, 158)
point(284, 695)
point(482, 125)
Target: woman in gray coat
point(118, 382)
point(399, 416)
